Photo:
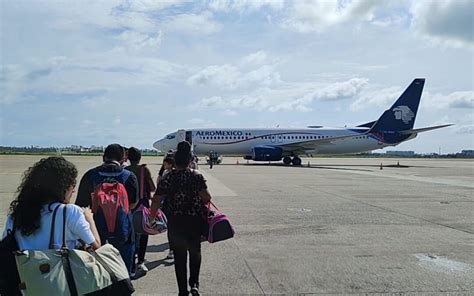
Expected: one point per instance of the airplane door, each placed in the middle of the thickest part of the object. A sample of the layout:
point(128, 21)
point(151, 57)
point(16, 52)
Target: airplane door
point(180, 135)
point(189, 137)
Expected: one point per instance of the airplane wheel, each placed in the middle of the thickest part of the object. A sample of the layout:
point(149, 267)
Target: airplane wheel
point(287, 160)
point(296, 160)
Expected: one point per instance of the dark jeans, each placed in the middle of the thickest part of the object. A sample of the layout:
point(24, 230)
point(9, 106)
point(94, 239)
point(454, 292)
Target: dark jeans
point(185, 237)
point(141, 244)
point(141, 240)
point(127, 251)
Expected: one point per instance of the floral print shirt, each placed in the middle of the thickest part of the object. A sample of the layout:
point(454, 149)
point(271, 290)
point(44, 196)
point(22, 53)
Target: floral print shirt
point(181, 188)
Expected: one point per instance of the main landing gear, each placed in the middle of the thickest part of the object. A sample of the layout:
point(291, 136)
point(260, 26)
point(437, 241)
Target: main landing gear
point(288, 160)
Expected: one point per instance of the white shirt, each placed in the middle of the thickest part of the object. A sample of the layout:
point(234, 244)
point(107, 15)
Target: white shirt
point(76, 228)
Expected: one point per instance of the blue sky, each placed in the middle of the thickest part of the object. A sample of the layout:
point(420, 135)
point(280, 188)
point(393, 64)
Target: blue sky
point(96, 72)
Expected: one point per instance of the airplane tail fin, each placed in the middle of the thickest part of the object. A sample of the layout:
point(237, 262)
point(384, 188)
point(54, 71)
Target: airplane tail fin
point(401, 116)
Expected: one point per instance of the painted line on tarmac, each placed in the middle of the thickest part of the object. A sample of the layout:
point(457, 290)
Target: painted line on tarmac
point(216, 187)
point(415, 178)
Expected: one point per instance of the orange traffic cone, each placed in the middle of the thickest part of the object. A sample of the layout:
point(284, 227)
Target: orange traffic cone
point(381, 166)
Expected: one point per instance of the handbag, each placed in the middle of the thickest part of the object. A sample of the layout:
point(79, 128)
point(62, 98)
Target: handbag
point(141, 221)
point(69, 272)
point(219, 225)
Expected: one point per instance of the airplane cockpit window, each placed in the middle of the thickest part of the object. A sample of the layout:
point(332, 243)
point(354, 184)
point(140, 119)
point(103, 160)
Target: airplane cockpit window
point(169, 137)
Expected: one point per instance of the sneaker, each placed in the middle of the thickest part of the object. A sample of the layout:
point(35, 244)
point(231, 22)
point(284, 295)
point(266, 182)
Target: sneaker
point(195, 291)
point(132, 275)
point(170, 255)
point(142, 267)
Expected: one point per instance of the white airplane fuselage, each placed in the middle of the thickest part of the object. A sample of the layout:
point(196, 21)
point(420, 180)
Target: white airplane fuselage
point(241, 141)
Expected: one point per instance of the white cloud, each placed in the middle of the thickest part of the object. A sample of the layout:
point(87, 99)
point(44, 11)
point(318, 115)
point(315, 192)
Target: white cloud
point(229, 112)
point(458, 99)
point(230, 77)
point(242, 6)
point(136, 41)
point(376, 97)
point(96, 102)
point(16, 80)
point(151, 5)
point(255, 58)
point(224, 76)
point(449, 22)
point(199, 24)
point(464, 129)
point(317, 15)
point(286, 96)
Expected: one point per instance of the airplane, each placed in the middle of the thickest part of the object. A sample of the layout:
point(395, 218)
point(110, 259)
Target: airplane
point(394, 126)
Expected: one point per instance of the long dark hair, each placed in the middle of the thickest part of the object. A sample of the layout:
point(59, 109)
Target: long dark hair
point(183, 155)
point(45, 182)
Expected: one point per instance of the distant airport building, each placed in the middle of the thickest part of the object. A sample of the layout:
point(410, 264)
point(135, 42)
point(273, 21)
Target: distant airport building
point(467, 153)
point(96, 148)
point(400, 153)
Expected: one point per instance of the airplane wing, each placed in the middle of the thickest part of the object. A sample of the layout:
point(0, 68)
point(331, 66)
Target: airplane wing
point(311, 144)
point(424, 129)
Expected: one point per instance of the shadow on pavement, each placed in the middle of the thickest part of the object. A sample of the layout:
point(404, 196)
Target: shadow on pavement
point(152, 265)
point(158, 248)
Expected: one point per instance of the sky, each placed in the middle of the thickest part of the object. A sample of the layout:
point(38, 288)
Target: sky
point(98, 72)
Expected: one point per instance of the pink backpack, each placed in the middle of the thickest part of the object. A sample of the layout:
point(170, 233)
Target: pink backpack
point(219, 225)
point(142, 225)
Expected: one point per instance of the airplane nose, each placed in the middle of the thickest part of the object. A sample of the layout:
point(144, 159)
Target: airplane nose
point(158, 145)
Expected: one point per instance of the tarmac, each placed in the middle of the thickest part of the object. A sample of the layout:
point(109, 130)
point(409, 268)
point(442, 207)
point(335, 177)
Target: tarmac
point(335, 226)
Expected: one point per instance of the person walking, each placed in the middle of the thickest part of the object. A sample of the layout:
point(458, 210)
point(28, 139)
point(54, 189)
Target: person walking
point(46, 185)
point(112, 172)
point(186, 193)
point(167, 166)
point(145, 189)
point(45, 189)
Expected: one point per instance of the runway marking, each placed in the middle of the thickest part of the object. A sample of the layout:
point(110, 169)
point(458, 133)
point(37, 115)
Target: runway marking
point(442, 264)
point(432, 180)
point(216, 187)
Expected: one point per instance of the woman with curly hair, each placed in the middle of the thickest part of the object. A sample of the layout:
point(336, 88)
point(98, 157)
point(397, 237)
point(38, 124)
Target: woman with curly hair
point(46, 186)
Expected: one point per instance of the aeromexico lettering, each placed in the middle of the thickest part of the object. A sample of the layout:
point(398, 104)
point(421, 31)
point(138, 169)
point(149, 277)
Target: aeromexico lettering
point(219, 133)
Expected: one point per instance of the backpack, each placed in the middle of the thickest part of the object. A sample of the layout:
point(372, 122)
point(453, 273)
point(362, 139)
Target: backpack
point(110, 205)
point(9, 278)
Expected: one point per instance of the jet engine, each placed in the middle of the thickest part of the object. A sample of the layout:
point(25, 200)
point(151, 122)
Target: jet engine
point(267, 153)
